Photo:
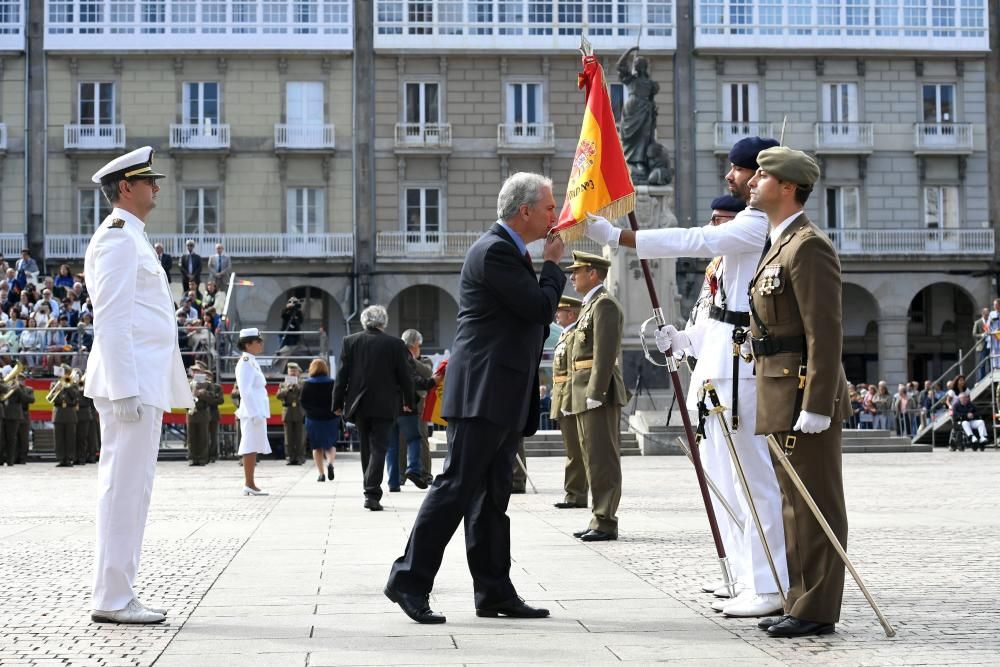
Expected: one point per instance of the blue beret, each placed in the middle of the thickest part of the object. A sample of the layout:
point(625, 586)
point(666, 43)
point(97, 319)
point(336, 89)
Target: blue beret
point(744, 151)
point(728, 203)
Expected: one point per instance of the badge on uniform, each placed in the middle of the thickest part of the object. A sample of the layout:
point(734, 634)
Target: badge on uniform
point(771, 280)
point(117, 223)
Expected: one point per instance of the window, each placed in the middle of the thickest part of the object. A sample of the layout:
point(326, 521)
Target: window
point(511, 13)
point(90, 12)
point(422, 14)
point(939, 102)
point(418, 309)
point(304, 103)
point(306, 210)
point(201, 211)
point(420, 105)
point(96, 104)
point(93, 208)
point(619, 95)
point(571, 16)
point(840, 102)
point(843, 210)
point(524, 109)
point(739, 112)
point(941, 206)
point(201, 103)
point(153, 12)
point(540, 18)
point(423, 215)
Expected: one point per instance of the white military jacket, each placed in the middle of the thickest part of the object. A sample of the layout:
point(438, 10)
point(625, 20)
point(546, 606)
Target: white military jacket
point(739, 242)
point(135, 351)
point(254, 401)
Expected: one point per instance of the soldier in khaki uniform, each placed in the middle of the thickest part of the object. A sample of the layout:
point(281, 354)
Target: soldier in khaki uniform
point(84, 415)
point(293, 416)
point(11, 412)
point(64, 397)
point(575, 477)
point(214, 398)
point(796, 324)
point(597, 392)
point(24, 426)
point(198, 418)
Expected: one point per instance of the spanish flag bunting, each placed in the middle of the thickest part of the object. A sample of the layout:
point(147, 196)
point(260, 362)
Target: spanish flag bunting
point(599, 180)
point(244, 282)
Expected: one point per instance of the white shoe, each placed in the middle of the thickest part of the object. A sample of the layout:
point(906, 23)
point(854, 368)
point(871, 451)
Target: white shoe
point(711, 587)
point(722, 603)
point(247, 491)
point(766, 604)
point(133, 612)
point(155, 610)
point(723, 590)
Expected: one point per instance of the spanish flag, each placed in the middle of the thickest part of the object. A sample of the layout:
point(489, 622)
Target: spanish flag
point(434, 400)
point(599, 180)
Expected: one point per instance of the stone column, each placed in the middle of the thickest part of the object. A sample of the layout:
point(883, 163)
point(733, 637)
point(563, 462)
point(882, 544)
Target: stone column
point(892, 350)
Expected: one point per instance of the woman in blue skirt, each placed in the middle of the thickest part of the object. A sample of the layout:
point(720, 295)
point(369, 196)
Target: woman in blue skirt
point(322, 426)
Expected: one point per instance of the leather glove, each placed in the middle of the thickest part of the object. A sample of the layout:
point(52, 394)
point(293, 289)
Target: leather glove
point(591, 404)
point(601, 231)
point(127, 409)
point(669, 337)
point(810, 422)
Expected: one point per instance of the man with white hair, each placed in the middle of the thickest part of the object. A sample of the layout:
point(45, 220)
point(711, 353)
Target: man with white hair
point(966, 414)
point(220, 265)
point(373, 386)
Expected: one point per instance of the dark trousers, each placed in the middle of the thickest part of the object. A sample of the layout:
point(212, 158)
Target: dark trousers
point(82, 441)
point(407, 429)
point(22, 439)
point(474, 486)
point(374, 435)
point(8, 438)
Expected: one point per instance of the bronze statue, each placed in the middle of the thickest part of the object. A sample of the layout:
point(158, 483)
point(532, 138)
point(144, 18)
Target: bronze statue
point(647, 160)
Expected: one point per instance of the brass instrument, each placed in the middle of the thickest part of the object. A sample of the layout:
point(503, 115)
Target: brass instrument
point(9, 382)
point(57, 388)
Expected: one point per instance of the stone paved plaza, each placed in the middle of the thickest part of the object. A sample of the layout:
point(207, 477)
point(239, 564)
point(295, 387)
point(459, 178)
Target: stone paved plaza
point(296, 578)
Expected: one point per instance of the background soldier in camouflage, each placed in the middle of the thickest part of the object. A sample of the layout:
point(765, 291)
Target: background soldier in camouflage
point(293, 416)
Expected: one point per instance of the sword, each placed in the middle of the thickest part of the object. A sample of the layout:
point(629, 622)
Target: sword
point(779, 455)
point(711, 485)
point(520, 462)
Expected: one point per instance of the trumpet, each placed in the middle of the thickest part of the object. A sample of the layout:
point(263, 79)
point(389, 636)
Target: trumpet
point(57, 388)
point(9, 381)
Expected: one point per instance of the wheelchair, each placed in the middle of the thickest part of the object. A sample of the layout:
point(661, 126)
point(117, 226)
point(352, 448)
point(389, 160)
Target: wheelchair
point(958, 440)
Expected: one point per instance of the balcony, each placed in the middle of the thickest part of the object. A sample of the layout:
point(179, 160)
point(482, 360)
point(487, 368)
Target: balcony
point(817, 26)
point(524, 25)
point(304, 137)
point(245, 246)
point(412, 246)
point(729, 132)
point(11, 245)
point(160, 25)
point(93, 137)
point(526, 138)
point(915, 243)
point(845, 138)
point(12, 21)
point(942, 138)
point(423, 137)
point(199, 137)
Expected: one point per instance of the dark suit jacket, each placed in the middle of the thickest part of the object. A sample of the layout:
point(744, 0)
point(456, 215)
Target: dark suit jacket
point(503, 319)
point(374, 376)
point(167, 262)
point(194, 275)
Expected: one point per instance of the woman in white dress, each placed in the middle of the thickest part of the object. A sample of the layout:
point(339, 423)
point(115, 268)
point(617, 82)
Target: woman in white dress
point(254, 407)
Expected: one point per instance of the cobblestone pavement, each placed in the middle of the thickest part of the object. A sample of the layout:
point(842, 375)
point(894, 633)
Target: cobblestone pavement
point(295, 578)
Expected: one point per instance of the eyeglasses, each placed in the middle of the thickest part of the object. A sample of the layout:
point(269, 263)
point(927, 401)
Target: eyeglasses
point(719, 219)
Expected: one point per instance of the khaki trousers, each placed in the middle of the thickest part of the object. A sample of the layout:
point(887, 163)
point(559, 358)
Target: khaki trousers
point(295, 441)
point(575, 476)
point(598, 431)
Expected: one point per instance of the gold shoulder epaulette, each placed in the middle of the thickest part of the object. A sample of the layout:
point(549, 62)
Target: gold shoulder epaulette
point(117, 223)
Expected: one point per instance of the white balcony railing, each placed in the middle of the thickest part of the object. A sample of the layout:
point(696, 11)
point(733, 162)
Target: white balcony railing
point(3, 138)
point(729, 132)
point(942, 138)
point(423, 135)
point(11, 245)
point(93, 137)
point(424, 245)
point(199, 136)
point(309, 137)
point(180, 25)
point(526, 136)
point(845, 137)
point(261, 246)
point(525, 25)
point(913, 242)
point(867, 25)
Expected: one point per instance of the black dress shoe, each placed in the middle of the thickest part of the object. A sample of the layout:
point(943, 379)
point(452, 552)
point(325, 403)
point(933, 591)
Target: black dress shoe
point(796, 627)
point(394, 489)
point(513, 491)
point(329, 471)
point(417, 480)
point(568, 506)
point(414, 606)
point(321, 478)
point(581, 533)
point(291, 462)
point(594, 535)
point(514, 608)
point(373, 505)
point(768, 621)
point(64, 465)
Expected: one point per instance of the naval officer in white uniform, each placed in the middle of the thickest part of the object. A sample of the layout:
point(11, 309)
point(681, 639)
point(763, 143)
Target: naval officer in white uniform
point(739, 242)
point(134, 374)
point(255, 407)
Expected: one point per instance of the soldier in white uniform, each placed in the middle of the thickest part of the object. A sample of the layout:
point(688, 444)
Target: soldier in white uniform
point(739, 242)
point(254, 408)
point(134, 374)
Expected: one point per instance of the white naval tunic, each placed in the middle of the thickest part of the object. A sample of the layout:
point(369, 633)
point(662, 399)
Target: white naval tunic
point(739, 242)
point(254, 408)
point(135, 353)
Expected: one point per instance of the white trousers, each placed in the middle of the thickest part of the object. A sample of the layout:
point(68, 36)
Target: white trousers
point(741, 539)
point(977, 424)
point(125, 483)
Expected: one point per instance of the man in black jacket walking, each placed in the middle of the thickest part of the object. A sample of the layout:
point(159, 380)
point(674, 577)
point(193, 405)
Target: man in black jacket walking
point(373, 385)
point(490, 402)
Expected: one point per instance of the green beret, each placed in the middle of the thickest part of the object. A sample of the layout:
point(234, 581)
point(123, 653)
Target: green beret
point(569, 302)
point(586, 260)
point(789, 165)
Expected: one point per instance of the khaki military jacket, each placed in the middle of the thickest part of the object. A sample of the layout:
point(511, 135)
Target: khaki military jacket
point(560, 372)
point(64, 406)
point(796, 293)
point(290, 396)
point(215, 399)
point(85, 412)
point(593, 361)
point(200, 413)
point(12, 408)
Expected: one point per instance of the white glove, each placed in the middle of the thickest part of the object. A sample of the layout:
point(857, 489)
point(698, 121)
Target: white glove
point(669, 337)
point(127, 409)
point(591, 404)
point(257, 420)
point(602, 231)
point(810, 422)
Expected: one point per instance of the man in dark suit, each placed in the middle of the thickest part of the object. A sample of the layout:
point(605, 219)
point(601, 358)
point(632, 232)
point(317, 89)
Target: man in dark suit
point(373, 385)
point(490, 402)
point(190, 266)
point(166, 259)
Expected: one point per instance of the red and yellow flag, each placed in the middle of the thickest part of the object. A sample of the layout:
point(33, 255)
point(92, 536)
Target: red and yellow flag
point(599, 180)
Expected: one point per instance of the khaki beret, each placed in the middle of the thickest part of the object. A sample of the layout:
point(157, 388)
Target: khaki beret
point(569, 302)
point(789, 165)
point(291, 364)
point(587, 260)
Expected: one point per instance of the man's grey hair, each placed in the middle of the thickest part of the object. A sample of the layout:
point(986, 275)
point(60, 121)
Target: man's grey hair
point(110, 190)
point(412, 337)
point(374, 317)
point(522, 188)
